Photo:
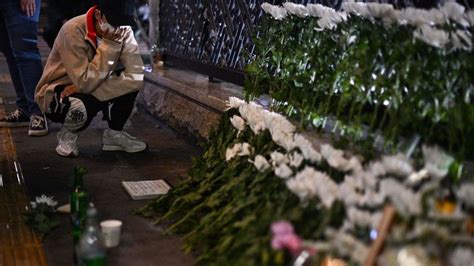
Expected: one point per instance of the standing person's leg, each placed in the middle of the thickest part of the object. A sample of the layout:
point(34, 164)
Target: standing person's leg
point(22, 32)
point(19, 117)
point(116, 112)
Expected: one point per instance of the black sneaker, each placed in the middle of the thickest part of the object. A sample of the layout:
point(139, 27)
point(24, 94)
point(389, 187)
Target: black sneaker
point(38, 126)
point(15, 119)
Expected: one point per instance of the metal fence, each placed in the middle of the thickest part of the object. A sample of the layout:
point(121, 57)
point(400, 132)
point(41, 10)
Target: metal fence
point(214, 37)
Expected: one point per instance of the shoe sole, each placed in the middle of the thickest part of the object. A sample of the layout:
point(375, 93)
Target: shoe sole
point(70, 155)
point(14, 124)
point(38, 133)
point(107, 147)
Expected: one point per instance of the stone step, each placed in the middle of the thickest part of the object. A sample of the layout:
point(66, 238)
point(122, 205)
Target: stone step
point(185, 100)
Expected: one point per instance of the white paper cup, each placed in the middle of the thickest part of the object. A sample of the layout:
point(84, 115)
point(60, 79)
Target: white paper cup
point(111, 232)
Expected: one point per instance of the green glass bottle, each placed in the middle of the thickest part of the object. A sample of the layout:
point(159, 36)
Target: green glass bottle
point(77, 226)
point(78, 197)
point(91, 249)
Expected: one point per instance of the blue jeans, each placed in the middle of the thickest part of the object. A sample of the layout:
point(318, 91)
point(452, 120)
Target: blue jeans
point(19, 44)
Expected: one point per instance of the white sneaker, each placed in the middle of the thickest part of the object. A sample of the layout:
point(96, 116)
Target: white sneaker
point(113, 140)
point(67, 146)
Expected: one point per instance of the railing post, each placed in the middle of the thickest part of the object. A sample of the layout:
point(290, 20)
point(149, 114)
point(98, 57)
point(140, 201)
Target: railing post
point(154, 33)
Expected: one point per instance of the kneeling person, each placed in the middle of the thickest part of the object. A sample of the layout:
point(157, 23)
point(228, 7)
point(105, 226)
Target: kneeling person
point(94, 66)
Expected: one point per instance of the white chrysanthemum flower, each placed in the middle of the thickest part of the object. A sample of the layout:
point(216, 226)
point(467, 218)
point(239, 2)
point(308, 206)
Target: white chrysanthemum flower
point(341, 17)
point(385, 12)
point(328, 16)
point(352, 39)
point(240, 149)
point(283, 171)
point(278, 158)
point(398, 165)
point(405, 200)
point(335, 159)
point(354, 164)
point(462, 40)
point(364, 218)
point(234, 103)
point(370, 174)
point(304, 184)
point(296, 159)
point(437, 162)
point(470, 17)
point(283, 140)
point(309, 183)
point(261, 163)
point(359, 9)
point(257, 122)
point(33, 205)
point(246, 149)
point(370, 180)
point(254, 115)
point(377, 169)
point(416, 177)
point(280, 123)
point(267, 7)
point(277, 12)
point(466, 194)
point(238, 123)
point(232, 152)
point(371, 199)
point(393, 18)
point(377, 10)
point(326, 23)
point(307, 149)
point(461, 256)
point(348, 191)
point(408, 257)
point(319, 11)
point(455, 12)
point(420, 17)
point(347, 245)
point(280, 129)
point(46, 200)
point(296, 9)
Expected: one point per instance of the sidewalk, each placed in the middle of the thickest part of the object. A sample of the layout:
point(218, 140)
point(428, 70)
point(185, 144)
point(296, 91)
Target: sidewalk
point(168, 157)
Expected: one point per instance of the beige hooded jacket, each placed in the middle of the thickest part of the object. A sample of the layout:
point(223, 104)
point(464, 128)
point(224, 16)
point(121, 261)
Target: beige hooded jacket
point(77, 59)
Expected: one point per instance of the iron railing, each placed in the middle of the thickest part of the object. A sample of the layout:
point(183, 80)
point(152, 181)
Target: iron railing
point(214, 37)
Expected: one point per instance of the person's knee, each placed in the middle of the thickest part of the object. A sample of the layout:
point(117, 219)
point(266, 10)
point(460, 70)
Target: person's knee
point(76, 117)
point(26, 54)
point(24, 44)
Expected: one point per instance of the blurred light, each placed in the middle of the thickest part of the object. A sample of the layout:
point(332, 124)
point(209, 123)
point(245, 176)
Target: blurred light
point(373, 234)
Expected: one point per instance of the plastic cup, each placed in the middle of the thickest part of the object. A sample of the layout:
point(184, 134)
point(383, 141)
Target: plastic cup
point(111, 231)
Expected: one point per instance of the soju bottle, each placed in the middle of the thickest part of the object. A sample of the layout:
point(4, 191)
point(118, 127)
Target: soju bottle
point(77, 226)
point(91, 250)
point(78, 197)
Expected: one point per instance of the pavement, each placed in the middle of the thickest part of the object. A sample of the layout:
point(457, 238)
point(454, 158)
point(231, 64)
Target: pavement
point(168, 157)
